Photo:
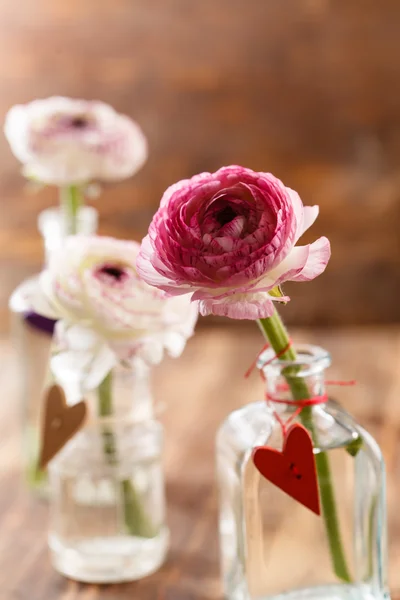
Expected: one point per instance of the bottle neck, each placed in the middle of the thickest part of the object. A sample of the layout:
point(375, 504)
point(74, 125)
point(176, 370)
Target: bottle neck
point(306, 372)
point(53, 225)
point(278, 390)
point(123, 395)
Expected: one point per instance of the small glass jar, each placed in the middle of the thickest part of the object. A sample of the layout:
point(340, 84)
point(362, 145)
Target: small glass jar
point(271, 545)
point(107, 508)
point(32, 336)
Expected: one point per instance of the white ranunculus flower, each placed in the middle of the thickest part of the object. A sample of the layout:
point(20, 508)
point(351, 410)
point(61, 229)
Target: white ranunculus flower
point(64, 141)
point(106, 313)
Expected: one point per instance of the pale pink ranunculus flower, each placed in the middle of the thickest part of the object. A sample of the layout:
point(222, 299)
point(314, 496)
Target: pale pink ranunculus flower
point(106, 313)
point(64, 141)
point(229, 238)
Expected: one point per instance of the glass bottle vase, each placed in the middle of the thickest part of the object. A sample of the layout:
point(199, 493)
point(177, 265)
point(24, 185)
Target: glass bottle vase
point(107, 493)
point(32, 337)
point(271, 545)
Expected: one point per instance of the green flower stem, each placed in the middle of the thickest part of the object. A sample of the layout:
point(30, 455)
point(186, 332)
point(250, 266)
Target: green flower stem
point(136, 520)
point(106, 410)
point(71, 199)
point(36, 477)
point(275, 332)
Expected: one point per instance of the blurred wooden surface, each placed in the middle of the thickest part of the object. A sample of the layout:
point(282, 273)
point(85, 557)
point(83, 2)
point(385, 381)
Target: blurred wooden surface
point(198, 391)
point(304, 88)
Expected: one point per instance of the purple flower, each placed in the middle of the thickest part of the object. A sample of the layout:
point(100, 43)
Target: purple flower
point(228, 238)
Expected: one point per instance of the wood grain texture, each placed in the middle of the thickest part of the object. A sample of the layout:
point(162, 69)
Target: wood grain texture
point(198, 391)
point(303, 88)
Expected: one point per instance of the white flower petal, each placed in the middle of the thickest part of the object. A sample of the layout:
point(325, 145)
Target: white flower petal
point(79, 338)
point(151, 351)
point(174, 343)
point(79, 371)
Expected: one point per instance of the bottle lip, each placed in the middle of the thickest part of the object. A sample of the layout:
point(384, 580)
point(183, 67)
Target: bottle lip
point(310, 359)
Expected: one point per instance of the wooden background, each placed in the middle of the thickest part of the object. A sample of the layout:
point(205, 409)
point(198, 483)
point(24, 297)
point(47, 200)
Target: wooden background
point(305, 88)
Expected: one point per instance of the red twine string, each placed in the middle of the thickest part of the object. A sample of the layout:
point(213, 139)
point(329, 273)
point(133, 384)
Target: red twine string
point(284, 387)
point(306, 402)
point(278, 355)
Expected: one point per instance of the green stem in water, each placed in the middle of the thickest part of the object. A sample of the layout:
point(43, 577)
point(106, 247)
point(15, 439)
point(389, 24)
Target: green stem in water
point(71, 199)
point(275, 332)
point(136, 520)
point(106, 410)
point(35, 476)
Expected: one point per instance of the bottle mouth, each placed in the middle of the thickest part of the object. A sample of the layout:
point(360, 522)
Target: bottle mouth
point(310, 360)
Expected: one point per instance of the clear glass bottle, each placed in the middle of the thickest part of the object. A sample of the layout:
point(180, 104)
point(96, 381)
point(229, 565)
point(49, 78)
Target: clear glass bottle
point(32, 335)
point(271, 545)
point(107, 508)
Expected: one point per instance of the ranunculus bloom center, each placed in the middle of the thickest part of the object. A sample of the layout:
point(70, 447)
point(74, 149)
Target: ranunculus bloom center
point(231, 215)
point(111, 273)
point(79, 122)
point(226, 215)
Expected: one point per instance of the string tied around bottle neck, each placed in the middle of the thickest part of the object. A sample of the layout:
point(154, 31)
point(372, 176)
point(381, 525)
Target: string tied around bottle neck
point(299, 404)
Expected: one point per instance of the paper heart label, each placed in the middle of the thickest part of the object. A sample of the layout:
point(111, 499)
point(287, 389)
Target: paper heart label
point(60, 423)
point(293, 469)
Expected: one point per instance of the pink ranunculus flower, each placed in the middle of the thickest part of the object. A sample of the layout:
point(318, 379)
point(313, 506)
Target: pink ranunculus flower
point(64, 141)
point(229, 238)
point(106, 313)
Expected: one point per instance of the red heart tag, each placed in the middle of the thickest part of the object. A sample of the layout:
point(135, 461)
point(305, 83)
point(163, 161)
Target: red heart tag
point(293, 469)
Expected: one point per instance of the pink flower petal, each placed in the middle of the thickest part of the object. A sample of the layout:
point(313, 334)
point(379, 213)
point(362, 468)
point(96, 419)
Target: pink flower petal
point(298, 209)
point(291, 266)
point(144, 265)
point(318, 257)
point(309, 216)
point(239, 306)
point(234, 228)
point(212, 294)
point(225, 243)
